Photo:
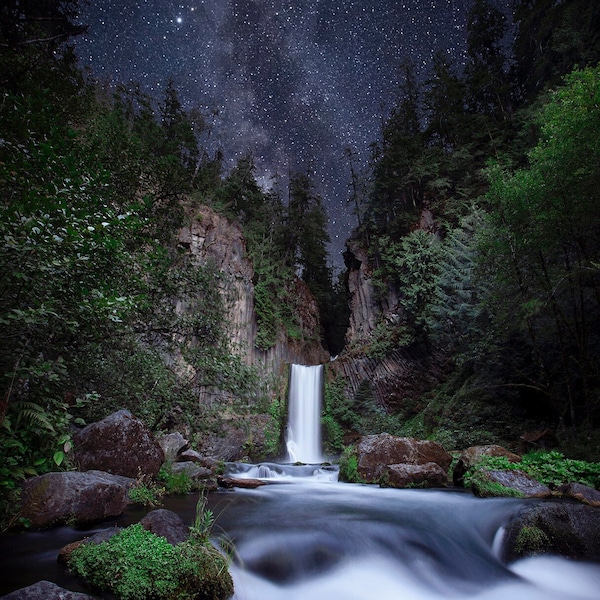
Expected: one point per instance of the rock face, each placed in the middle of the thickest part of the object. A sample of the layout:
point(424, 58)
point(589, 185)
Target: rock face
point(211, 238)
point(45, 590)
point(473, 455)
point(564, 528)
point(398, 380)
point(119, 444)
point(82, 498)
point(375, 454)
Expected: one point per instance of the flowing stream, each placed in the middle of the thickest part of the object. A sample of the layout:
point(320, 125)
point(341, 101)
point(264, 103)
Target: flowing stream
point(307, 536)
point(304, 535)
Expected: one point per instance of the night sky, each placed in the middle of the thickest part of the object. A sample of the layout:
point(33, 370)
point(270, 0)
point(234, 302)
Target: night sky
point(295, 82)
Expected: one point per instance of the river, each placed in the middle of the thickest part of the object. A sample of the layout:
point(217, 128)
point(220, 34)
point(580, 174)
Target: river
point(308, 536)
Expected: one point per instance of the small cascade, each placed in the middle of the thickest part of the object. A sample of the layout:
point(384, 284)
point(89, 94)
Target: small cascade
point(304, 414)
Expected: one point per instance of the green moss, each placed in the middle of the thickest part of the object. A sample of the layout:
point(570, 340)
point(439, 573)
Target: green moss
point(531, 540)
point(484, 488)
point(135, 564)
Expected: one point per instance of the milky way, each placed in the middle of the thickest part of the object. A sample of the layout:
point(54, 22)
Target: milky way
point(293, 82)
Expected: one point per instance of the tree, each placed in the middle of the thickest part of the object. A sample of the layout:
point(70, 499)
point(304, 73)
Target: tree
point(487, 82)
point(543, 250)
point(553, 38)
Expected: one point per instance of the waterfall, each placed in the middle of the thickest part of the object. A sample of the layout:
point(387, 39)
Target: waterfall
point(304, 414)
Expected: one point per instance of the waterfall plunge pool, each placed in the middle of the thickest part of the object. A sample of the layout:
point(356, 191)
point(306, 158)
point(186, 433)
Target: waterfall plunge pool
point(311, 537)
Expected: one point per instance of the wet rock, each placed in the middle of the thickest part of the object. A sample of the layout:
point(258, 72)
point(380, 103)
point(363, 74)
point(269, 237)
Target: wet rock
point(45, 590)
point(580, 492)
point(173, 444)
point(376, 452)
point(167, 524)
point(79, 498)
point(517, 483)
point(192, 470)
point(196, 457)
point(119, 444)
point(231, 482)
point(473, 455)
point(564, 528)
point(405, 475)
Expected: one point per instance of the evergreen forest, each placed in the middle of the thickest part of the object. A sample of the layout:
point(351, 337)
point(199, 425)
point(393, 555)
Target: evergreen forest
point(478, 212)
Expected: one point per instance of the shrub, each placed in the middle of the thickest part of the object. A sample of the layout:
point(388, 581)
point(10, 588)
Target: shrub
point(135, 564)
point(550, 468)
point(349, 466)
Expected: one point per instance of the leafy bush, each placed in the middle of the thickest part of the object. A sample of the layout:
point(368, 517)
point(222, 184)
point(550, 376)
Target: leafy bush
point(175, 483)
point(550, 468)
point(135, 564)
point(349, 466)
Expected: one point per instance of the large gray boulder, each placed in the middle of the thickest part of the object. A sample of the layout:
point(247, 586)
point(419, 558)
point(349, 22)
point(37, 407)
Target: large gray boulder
point(376, 452)
point(564, 528)
point(72, 497)
point(45, 590)
point(119, 444)
point(491, 483)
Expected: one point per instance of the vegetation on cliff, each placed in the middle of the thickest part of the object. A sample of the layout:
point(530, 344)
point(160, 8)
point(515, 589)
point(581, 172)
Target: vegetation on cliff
point(95, 184)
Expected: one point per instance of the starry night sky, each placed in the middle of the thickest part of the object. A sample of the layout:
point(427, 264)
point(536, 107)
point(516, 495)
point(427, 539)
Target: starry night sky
point(295, 82)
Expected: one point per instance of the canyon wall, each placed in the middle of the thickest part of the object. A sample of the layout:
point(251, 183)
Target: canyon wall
point(210, 237)
point(398, 380)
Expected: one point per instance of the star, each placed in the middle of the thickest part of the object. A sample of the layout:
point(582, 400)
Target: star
point(294, 82)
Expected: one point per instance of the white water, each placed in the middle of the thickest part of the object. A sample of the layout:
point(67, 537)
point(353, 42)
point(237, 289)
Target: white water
point(304, 418)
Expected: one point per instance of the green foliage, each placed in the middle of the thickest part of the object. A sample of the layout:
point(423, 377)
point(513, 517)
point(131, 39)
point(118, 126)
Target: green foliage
point(550, 468)
point(337, 415)
point(203, 521)
point(485, 488)
point(146, 493)
point(135, 564)
point(174, 483)
point(349, 466)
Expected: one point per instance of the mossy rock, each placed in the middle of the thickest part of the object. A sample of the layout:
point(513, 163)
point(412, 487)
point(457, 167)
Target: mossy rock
point(135, 564)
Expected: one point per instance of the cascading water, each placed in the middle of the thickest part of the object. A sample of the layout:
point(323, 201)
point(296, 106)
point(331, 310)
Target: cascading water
point(304, 417)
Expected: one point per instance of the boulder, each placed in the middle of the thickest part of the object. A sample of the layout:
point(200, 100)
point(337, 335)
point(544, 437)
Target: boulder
point(473, 455)
point(173, 444)
point(167, 524)
point(485, 485)
point(192, 470)
point(80, 498)
point(119, 444)
point(427, 475)
point(579, 492)
point(45, 590)
point(565, 528)
point(193, 456)
point(376, 452)
point(544, 439)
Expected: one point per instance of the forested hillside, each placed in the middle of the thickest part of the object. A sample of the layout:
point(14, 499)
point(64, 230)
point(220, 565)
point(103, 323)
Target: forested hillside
point(96, 183)
point(481, 225)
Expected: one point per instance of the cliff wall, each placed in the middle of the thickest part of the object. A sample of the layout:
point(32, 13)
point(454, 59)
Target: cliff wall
point(210, 237)
point(397, 381)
